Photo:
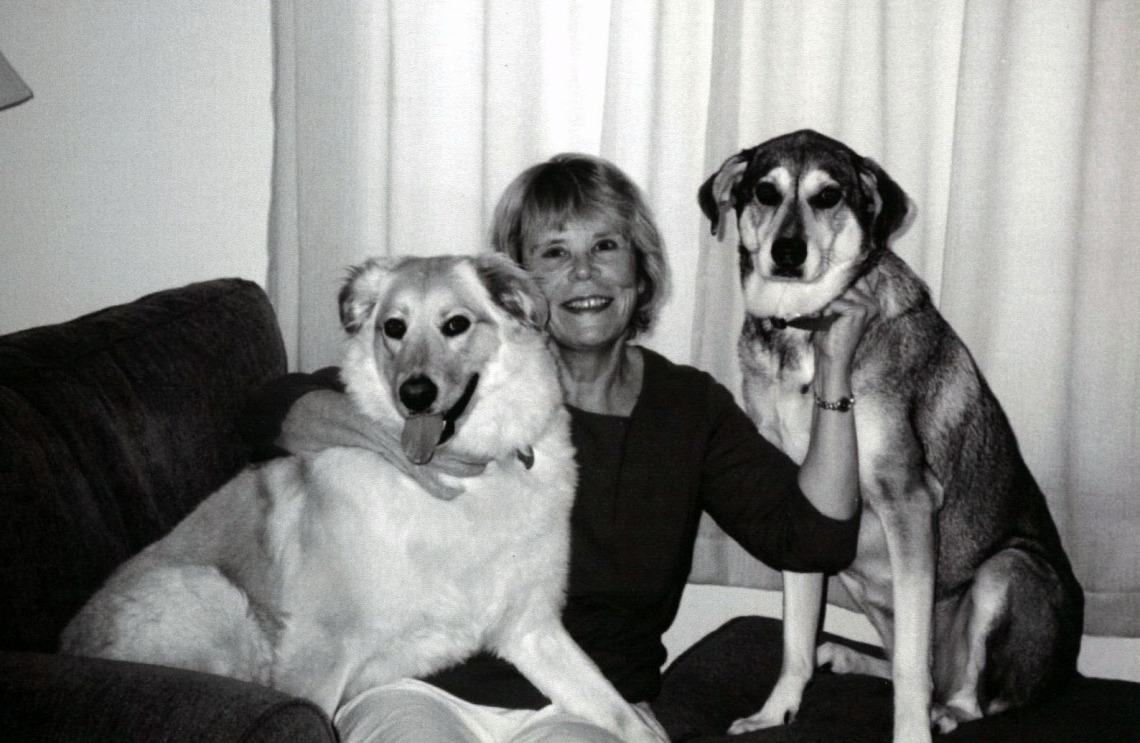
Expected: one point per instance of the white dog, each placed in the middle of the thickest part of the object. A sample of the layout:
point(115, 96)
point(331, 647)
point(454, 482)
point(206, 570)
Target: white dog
point(327, 573)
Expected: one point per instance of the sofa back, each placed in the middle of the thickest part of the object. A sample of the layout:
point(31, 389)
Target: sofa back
point(113, 427)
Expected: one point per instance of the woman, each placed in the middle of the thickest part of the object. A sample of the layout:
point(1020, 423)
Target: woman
point(658, 444)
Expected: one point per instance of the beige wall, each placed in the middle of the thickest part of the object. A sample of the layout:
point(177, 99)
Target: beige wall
point(142, 162)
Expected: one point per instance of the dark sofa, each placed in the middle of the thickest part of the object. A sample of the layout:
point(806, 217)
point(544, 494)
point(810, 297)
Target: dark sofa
point(115, 425)
point(112, 428)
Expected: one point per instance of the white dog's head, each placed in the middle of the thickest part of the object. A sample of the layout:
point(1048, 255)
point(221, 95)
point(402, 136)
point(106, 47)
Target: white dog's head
point(449, 351)
point(812, 216)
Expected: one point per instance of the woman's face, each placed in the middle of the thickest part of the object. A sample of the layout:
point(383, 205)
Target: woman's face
point(588, 271)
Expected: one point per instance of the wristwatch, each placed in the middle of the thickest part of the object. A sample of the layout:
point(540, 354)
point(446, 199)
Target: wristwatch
point(842, 405)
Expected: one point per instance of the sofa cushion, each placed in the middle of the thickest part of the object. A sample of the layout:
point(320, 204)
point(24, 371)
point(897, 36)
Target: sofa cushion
point(729, 673)
point(66, 698)
point(113, 427)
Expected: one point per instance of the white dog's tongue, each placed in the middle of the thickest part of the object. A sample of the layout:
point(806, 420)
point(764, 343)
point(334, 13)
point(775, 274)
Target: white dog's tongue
point(421, 434)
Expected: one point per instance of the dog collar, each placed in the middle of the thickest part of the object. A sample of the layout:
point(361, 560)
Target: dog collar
point(804, 322)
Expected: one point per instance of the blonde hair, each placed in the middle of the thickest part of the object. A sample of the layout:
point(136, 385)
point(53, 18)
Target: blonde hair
point(573, 186)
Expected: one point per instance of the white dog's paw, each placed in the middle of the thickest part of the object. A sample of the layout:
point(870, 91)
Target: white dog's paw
point(652, 728)
point(781, 708)
point(638, 724)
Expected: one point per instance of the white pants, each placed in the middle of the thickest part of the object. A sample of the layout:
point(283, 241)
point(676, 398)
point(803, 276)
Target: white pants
point(412, 711)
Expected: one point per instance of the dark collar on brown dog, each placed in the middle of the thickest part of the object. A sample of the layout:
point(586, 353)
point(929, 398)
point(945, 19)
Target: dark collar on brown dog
point(809, 323)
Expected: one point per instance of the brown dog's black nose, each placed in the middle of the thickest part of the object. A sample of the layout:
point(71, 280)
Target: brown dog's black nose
point(418, 393)
point(789, 253)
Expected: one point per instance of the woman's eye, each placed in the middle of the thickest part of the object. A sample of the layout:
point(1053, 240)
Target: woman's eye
point(606, 245)
point(552, 253)
point(456, 326)
point(768, 195)
point(395, 328)
point(827, 198)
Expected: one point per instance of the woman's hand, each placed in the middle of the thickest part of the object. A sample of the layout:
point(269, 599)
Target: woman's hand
point(853, 312)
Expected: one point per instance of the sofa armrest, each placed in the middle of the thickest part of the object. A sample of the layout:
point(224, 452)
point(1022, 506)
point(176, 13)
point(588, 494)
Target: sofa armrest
point(45, 697)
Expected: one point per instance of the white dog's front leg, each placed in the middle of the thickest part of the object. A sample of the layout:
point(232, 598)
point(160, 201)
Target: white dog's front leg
point(550, 659)
point(803, 602)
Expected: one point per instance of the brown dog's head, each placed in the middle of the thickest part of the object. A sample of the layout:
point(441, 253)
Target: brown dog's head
point(812, 215)
point(436, 346)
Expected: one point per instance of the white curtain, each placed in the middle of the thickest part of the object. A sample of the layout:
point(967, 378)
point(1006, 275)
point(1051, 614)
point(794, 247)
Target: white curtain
point(1012, 124)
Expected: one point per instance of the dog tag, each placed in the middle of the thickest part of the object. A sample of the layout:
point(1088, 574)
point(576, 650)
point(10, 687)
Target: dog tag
point(420, 437)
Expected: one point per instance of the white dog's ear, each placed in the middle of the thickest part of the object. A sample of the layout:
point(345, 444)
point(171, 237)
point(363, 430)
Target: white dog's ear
point(894, 210)
point(715, 194)
point(512, 289)
point(361, 291)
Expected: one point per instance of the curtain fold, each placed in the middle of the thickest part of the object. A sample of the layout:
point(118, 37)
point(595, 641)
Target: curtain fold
point(1045, 159)
point(1011, 123)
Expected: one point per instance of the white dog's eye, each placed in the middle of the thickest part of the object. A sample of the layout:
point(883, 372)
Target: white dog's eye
point(828, 197)
point(768, 195)
point(456, 325)
point(395, 328)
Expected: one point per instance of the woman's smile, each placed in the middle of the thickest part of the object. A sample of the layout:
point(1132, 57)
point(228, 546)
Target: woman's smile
point(593, 303)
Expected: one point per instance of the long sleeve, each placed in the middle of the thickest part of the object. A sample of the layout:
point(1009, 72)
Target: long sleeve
point(750, 489)
point(266, 411)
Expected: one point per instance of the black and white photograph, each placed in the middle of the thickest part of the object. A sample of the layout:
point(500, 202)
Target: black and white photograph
point(570, 371)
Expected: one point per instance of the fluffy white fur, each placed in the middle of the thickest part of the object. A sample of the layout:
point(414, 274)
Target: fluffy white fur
point(324, 574)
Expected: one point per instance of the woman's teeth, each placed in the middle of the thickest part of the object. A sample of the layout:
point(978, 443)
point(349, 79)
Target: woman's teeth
point(587, 303)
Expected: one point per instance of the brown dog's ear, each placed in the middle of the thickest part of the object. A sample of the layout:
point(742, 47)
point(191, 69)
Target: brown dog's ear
point(361, 291)
point(715, 194)
point(894, 211)
point(513, 289)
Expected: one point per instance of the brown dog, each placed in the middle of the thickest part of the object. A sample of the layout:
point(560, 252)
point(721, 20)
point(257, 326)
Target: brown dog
point(960, 568)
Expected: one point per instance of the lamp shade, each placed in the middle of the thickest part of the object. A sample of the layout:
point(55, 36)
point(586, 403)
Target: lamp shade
point(12, 88)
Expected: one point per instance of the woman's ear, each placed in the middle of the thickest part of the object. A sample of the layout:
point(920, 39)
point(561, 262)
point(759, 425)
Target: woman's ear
point(715, 194)
point(513, 289)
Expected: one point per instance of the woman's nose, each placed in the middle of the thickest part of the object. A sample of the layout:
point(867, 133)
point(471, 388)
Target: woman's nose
point(583, 266)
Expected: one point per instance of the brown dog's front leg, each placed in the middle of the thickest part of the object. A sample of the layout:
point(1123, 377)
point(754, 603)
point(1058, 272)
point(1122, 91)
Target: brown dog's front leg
point(803, 603)
point(909, 528)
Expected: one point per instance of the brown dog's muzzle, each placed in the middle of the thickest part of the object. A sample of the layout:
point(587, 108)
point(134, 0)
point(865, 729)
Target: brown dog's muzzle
point(788, 256)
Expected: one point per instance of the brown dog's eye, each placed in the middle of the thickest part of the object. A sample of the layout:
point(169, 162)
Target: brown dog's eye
point(768, 195)
point(395, 328)
point(827, 198)
point(456, 326)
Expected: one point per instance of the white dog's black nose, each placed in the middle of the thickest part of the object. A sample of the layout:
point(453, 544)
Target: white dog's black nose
point(789, 252)
point(418, 393)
